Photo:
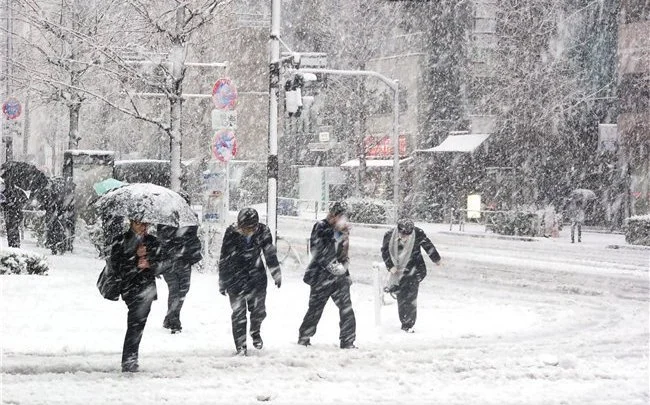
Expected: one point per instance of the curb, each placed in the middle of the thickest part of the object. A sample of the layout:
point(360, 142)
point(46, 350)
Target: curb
point(630, 247)
point(490, 236)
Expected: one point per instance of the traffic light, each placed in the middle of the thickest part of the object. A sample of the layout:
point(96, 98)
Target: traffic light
point(293, 95)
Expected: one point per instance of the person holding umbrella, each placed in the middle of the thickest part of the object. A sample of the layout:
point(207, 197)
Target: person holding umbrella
point(242, 275)
point(579, 198)
point(135, 257)
point(401, 252)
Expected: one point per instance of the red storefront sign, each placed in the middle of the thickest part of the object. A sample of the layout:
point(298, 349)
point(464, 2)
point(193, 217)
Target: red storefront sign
point(381, 147)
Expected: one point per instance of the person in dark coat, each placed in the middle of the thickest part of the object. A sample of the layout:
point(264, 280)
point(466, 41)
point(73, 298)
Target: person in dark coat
point(183, 249)
point(402, 253)
point(55, 221)
point(328, 276)
point(135, 256)
point(15, 199)
point(242, 274)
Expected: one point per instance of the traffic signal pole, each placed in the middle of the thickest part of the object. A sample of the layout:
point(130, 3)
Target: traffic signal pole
point(274, 94)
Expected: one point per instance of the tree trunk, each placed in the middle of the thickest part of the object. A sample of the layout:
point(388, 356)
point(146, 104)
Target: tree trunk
point(175, 136)
point(73, 132)
point(178, 54)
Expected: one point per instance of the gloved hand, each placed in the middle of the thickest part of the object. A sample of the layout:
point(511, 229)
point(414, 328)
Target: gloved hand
point(336, 268)
point(222, 291)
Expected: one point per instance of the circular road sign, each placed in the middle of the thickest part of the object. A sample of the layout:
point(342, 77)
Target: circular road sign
point(12, 108)
point(224, 145)
point(224, 94)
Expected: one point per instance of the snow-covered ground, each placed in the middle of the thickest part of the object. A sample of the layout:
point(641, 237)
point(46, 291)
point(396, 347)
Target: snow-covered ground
point(500, 322)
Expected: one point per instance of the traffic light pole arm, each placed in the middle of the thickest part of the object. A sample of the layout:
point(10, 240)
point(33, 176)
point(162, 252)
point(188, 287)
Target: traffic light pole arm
point(394, 85)
point(389, 82)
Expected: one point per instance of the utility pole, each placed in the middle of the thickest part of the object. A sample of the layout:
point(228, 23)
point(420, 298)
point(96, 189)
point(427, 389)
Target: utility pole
point(274, 84)
point(7, 137)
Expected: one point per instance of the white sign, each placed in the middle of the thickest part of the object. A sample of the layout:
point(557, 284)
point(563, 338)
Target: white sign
point(324, 137)
point(224, 119)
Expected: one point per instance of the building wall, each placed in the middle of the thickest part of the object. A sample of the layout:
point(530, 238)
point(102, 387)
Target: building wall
point(634, 97)
point(407, 69)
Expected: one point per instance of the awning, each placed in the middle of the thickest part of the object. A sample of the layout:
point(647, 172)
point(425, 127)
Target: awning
point(375, 162)
point(459, 143)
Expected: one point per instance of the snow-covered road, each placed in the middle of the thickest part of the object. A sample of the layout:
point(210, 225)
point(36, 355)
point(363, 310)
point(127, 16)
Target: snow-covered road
point(500, 322)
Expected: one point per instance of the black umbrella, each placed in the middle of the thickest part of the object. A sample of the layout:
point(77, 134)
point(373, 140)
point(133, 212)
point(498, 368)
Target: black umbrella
point(23, 175)
point(22, 179)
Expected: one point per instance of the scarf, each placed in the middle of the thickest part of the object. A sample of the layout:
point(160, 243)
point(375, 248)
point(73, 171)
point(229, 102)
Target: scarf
point(401, 258)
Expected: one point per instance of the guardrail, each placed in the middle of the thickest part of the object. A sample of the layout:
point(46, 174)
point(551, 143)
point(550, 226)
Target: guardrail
point(458, 217)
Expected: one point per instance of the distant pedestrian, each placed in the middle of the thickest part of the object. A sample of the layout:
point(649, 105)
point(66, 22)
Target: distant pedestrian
point(577, 217)
point(135, 257)
point(329, 277)
point(401, 252)
point(182, 249)
point(242, 275)
point(54, 216)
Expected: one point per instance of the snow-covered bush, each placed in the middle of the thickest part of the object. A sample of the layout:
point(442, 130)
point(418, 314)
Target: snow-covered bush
point(637, 230)
point(368, 211)
point(18, 261)
point(517, 223)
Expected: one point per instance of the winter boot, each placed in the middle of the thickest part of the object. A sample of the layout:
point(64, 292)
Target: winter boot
point(258, 343)
point(130, 367)
point(348, 345)
point(304, 341)
point(242, 351)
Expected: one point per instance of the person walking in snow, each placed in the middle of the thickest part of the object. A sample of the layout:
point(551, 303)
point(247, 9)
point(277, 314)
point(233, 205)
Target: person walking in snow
point(135, 257)
point(577, 216)
point(182, 248)
point(242, 275)
point(328, 276)
point(402, 254)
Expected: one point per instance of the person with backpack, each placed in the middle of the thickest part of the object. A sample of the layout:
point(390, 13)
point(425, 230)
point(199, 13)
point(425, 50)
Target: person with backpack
point(134, 260)
point(242, 275)
point(401, 251)
point(328, 276)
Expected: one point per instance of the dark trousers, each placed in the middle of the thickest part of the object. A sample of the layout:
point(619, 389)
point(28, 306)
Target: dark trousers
point(575, 224)
point(178, 281)
point(13, 219)
point(407, 303)
point(339, 291)
point(139, 304)
point(253, 301)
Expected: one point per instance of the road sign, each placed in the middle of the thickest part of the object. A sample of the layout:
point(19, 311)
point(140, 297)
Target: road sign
point(224, 119)
point(224, 94)
point(12, 108)
point(224, 145)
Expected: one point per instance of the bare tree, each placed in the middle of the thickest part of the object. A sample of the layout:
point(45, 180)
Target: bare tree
point(57, 57)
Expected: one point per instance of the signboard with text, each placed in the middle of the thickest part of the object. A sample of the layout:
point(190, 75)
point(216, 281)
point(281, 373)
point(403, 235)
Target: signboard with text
point(381, 147)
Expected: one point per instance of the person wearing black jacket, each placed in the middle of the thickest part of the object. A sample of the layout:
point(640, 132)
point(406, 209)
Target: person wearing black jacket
point(242, 274)
point(401, 252)
point(328, 276)
point(135, 256)
point(182, 248)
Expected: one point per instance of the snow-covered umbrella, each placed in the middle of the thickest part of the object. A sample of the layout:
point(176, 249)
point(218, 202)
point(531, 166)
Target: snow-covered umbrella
point(148, 203)
point(583, 194)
